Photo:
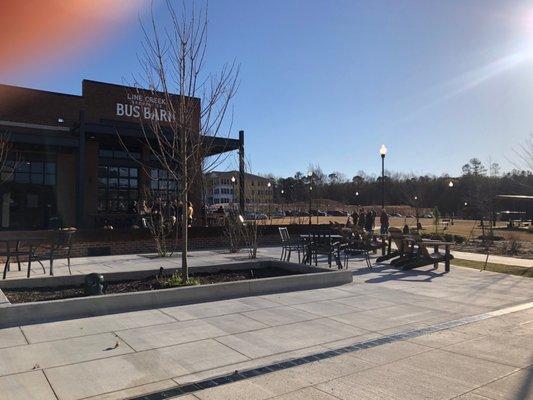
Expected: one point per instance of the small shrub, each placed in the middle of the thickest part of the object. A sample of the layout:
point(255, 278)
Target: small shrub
point(175, 280)
point(511, 246)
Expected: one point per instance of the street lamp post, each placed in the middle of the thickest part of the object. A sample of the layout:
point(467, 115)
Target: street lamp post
point(282, 199)
point(383, 153)
point(233, 180)
point(269, 185)
point(310, 175)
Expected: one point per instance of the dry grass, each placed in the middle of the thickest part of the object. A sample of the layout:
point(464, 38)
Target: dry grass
point(464, 228)
point(494, 267)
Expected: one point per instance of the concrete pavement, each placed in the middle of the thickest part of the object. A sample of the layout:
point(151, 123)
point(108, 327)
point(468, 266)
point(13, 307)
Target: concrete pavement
point(128, 355)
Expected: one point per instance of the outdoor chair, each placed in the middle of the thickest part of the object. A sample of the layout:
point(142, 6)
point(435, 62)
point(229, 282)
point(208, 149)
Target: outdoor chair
point(356, 245)
point(405, 250)
point(287, 246)
point(56, 243)
point(425, 257)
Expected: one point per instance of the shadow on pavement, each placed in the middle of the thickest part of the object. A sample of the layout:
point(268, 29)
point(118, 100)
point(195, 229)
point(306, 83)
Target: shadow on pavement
point(388, 273)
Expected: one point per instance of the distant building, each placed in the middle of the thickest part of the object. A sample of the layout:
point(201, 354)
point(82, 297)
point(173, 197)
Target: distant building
point(220, 189)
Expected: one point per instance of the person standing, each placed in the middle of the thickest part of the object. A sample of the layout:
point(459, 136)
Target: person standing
point(362, 219)
point(190, 213)
point(369, 221)
point(384, 221)
point(355, 217)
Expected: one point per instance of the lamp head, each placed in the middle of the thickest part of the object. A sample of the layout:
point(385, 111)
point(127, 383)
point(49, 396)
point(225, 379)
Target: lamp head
point(383, 150)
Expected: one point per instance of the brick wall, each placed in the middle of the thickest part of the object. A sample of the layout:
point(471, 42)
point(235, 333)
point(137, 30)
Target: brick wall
point(200, 238)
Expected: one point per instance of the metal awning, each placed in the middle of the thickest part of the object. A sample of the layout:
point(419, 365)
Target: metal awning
point(214, 144)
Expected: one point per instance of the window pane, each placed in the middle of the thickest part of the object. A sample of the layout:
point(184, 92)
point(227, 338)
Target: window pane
point(113, 172)
point(123, 183)
point(133, 172)
point(24, 166)
point(22, 177)
point(50, 168)
point(105, 153)
point(120, 154)
point(36, 178)
point(133, 183)
point(113, 182)
point(36, 167)
point(49, 179)
point(124, 172)
point(102, 182)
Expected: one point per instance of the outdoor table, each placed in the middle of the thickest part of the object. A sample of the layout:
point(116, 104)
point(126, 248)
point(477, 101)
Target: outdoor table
point(436, 244)
point(307, 252)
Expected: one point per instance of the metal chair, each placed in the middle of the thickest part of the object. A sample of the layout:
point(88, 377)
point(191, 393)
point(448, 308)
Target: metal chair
point(287, 246)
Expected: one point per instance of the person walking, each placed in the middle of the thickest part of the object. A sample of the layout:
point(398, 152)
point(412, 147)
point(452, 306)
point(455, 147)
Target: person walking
point(369, 221)
point(384, 221)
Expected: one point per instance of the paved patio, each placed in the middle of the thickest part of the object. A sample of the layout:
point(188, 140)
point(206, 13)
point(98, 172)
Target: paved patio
point(128, 355)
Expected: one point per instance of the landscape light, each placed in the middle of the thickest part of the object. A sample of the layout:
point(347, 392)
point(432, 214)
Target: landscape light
point(233, 179)
point(357, 193)
point(450, 184)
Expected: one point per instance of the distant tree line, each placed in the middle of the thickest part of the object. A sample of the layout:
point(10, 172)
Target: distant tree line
point(471, 194)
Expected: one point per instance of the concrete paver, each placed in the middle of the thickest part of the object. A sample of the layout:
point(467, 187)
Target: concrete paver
point(49, 354)
point(151, 337)
point(11, 337)
point(100, 376)
point(30, 385)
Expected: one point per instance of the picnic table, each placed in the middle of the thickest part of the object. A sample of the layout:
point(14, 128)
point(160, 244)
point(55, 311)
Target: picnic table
point(436, 244)
point(26, 245)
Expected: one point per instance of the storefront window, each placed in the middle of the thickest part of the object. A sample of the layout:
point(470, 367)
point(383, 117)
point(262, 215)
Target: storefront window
point(35, 172)
point(118, 188)
point(162, 185)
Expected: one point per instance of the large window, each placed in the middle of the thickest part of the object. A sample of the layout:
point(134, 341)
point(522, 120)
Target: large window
point(118, 188)
point(35, 172)
point(162, 184)
point(119, 154)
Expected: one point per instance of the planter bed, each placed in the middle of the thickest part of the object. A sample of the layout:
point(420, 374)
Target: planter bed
point(239, 279)
point(28, 295)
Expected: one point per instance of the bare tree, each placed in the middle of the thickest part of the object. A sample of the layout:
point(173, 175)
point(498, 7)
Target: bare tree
point(6, 170)
point(523, 159)
point(196, 102)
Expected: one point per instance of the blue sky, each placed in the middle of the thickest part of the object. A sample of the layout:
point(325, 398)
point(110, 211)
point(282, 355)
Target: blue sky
point(327, 82)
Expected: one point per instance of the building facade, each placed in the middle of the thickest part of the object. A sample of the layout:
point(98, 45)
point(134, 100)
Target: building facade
point(84, 159)
point(223, 188)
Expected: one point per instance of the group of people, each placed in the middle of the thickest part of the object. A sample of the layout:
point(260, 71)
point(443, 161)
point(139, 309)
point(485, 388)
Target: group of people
point(367, 220)
point(171, 210)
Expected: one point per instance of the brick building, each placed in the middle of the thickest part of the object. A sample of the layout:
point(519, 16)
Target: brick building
point(222, 189)
point(72, 165)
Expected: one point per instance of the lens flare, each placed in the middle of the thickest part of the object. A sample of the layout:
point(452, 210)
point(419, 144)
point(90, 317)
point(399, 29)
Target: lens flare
point(33, 31)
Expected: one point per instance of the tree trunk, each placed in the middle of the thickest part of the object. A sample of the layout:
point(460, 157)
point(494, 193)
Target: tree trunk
point(185, 200)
